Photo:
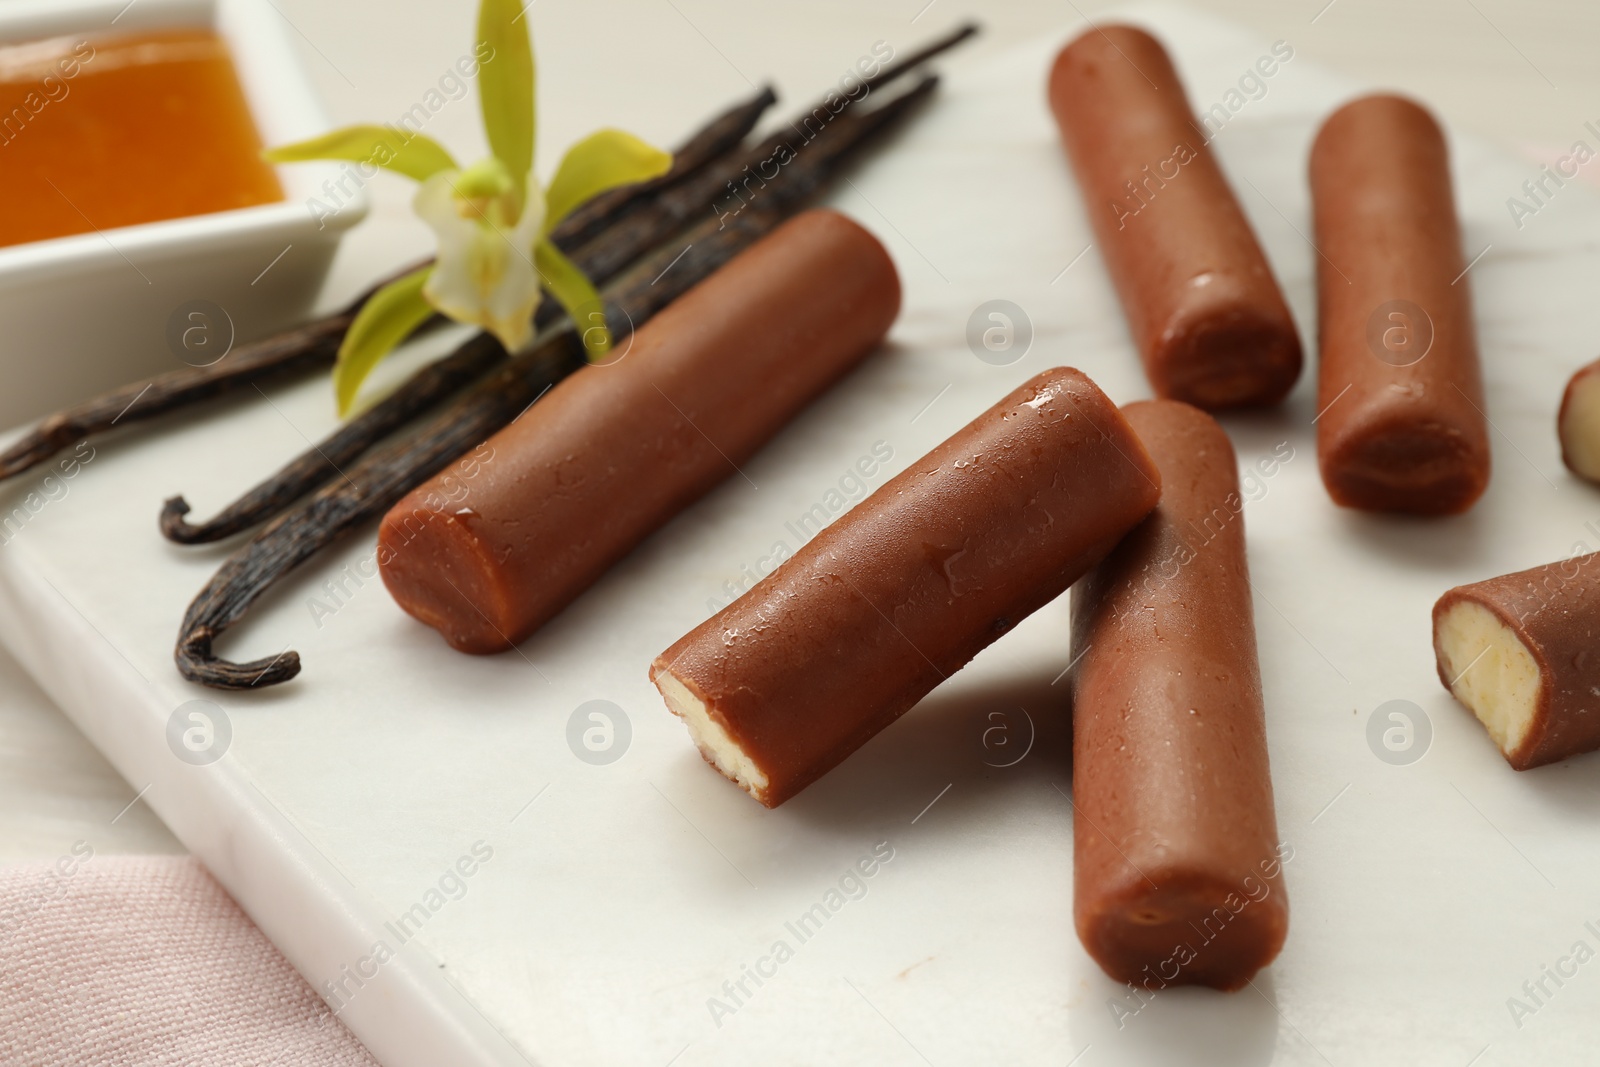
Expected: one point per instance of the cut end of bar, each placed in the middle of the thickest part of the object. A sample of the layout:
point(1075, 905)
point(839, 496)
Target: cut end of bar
point(1579, 424)
point(1411, 469)
point(435, 571)
point(719, 749)
point(1234, 359)
point(1185, 931)
point(1488, 668)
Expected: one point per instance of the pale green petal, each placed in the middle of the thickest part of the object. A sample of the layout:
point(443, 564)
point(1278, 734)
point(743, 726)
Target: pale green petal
point(482, 275)
point(601, 161)
point(413, 155)
point(569, 285)
point(386, 319)
point(506, 84)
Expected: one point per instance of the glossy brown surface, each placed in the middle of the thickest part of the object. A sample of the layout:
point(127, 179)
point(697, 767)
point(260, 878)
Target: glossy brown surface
point(1206, 313)
point(499, 542)
point(116, 130)
point(1177, 869)
point(904, 589)
point(1399, 388)
point(1555, 611)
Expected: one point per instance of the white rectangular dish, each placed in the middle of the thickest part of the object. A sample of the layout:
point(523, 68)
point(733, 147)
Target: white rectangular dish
point(89, 312)
point(412, 827)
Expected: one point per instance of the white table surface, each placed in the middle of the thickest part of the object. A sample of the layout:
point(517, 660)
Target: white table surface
point(54, 789)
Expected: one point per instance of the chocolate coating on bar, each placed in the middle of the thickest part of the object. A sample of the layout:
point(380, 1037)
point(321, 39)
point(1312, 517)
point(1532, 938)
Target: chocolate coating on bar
point(1522, 652)
point(498, 543)
point(1399, 387)
point(900, 592)
point(1206, 313)
point(1176, 869)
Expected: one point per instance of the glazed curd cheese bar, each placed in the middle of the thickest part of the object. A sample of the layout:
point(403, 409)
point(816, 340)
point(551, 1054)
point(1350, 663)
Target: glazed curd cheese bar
point(501, 541)
point(1401, 423)
point(1209, 320)
point(901, 591)
point(1177, 873)
point(1522, 653)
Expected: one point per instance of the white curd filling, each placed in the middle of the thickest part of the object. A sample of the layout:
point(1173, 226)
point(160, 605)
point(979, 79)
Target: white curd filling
point(1580, 427)
point(1493, 672)
point(710, 738)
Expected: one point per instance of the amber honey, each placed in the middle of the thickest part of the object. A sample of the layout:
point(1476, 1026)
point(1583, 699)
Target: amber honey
point(101, 132)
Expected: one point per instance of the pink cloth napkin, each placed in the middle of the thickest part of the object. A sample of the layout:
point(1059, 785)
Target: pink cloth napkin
point(131, 961)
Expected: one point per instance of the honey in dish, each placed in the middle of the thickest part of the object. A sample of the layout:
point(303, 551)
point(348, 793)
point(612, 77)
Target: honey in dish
point(101, 132)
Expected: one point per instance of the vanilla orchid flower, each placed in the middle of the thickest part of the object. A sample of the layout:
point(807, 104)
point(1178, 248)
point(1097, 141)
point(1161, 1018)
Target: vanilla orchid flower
point(484, 273)
point(492, 220)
